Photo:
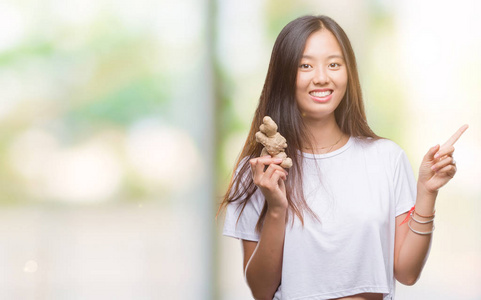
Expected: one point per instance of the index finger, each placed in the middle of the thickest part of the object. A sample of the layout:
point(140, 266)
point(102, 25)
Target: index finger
point(263, 161)
point(456, 136)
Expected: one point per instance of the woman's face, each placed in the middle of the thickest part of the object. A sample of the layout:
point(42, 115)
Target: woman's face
point(321, 76)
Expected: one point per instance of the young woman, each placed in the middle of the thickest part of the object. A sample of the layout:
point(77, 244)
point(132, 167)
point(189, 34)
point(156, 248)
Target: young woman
point(331, 228)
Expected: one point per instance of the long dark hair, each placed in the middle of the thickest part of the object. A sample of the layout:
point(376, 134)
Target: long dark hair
point(278, 101)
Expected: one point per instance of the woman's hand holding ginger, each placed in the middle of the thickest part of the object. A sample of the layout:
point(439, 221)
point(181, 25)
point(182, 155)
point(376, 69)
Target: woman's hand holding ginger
point(438, 165)
point(270, 180)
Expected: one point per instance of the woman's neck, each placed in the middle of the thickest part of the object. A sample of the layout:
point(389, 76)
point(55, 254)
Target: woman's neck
point(325, 136)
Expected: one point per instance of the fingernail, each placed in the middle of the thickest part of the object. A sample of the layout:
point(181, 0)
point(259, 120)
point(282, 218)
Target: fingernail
point(433, 168)
point(436, 155)
point(277, 160)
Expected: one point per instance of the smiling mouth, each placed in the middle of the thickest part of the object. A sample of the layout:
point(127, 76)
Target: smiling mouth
point(321, 94)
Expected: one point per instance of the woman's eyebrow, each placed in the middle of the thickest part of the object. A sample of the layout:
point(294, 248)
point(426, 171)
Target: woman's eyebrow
point(307, 56)
point(336, 56)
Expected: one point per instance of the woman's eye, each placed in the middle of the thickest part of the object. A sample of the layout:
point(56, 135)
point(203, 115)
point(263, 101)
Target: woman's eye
point(304, 66)
point(334, 65)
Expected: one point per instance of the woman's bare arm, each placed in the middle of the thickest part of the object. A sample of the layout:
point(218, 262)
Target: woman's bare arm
point(411, 249)
point(263, 259)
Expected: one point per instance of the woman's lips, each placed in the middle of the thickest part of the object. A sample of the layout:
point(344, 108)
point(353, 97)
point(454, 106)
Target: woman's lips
point(320, 99)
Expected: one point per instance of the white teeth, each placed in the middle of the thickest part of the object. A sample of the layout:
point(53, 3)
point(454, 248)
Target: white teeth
point(321, 94)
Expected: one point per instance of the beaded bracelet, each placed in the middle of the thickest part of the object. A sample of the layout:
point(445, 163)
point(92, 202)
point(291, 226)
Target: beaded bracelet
point(419, 232)
point(421, 222)
point(431, 216)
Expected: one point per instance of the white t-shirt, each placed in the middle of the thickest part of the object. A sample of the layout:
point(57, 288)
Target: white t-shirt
point(356, 191)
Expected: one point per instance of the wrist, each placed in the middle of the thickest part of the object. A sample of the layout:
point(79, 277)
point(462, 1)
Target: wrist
point(276, 210)
point(423, 191)
point(425, 200)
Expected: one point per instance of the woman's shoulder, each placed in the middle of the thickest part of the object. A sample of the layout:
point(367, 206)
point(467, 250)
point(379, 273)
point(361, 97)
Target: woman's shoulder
point(380, 146)
point(381, 152)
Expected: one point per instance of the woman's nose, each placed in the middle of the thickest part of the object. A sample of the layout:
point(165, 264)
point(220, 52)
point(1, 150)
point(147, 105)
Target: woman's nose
point(320, 77)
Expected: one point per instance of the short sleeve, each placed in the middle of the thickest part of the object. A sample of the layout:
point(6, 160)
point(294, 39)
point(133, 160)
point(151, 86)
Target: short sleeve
point(404, 185)
point(245, 228)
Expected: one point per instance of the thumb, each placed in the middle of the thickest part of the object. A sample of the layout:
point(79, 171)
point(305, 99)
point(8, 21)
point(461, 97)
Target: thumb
point(430, 155)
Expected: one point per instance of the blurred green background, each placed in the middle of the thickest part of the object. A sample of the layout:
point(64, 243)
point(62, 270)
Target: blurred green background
point(120, 123)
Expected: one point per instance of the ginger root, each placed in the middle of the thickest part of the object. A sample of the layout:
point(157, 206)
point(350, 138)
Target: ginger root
point(274, 143)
